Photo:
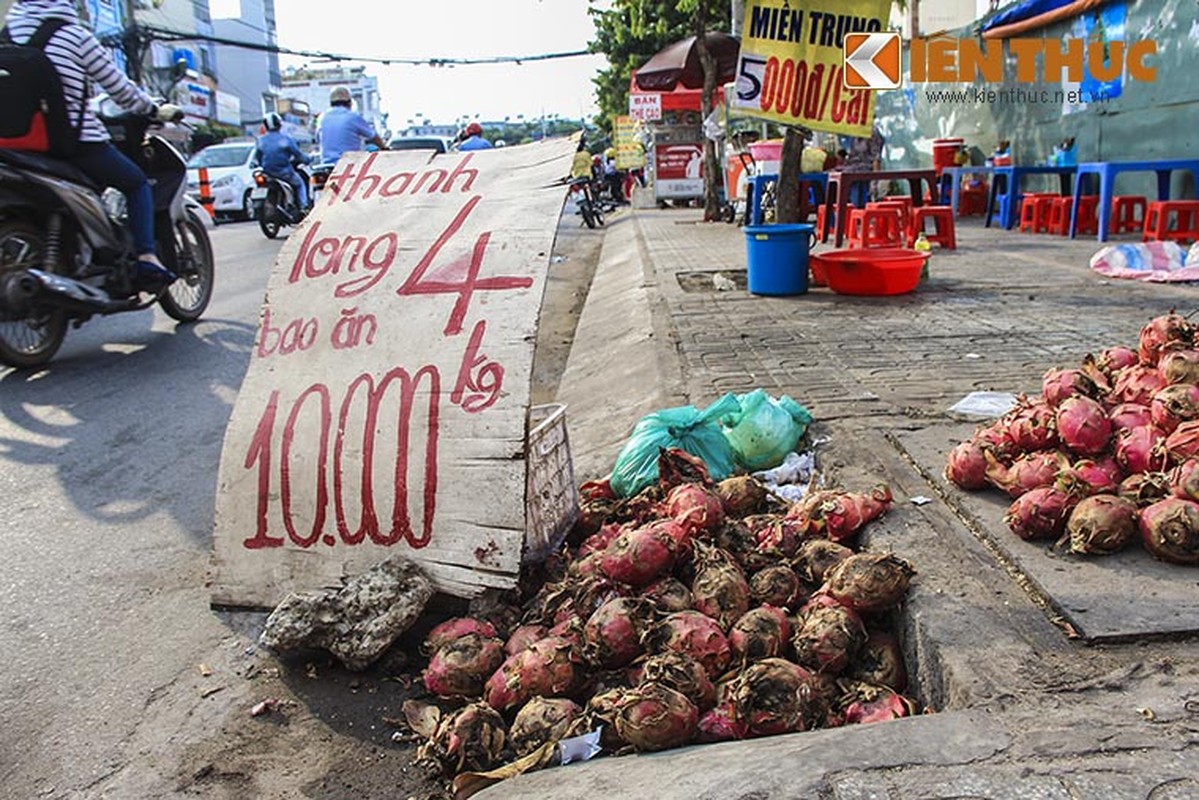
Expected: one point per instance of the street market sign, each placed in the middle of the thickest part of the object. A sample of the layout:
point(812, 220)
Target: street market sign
point(629, 152)
point(645, 107)
point(384, 408)
point(792, 66)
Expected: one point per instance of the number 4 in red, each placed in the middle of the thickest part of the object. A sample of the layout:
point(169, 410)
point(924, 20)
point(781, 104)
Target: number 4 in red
point(460, 276)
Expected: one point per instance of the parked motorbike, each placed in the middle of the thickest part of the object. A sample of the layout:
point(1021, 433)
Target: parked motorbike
point(582, 193)
point(66, 253)
point(275, 201)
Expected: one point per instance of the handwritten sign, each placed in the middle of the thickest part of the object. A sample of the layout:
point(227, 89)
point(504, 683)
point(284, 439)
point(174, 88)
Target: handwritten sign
point(646, 107)
point(384, 408)
point(629, 152)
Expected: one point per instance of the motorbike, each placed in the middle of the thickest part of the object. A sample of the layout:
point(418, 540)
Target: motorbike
point(582, 193)
point(66, 253)
point(318, 176)
point(275, 201)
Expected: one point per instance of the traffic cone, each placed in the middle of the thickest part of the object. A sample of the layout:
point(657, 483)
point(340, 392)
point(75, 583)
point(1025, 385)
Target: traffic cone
point(206, 198)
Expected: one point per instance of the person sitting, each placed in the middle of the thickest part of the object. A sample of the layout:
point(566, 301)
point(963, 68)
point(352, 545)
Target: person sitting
point(344, 130)
point(474, 138)
point(278, 154)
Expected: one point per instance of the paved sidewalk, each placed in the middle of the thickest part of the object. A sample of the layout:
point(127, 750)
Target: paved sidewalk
point(1025, 710)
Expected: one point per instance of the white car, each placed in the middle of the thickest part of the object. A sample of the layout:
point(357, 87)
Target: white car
point(230, 177)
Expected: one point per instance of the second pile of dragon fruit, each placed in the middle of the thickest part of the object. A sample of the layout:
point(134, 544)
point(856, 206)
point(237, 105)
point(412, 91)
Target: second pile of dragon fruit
point(1107, 454)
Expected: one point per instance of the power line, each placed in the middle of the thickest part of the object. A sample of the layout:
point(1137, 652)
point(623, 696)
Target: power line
point(153, 32)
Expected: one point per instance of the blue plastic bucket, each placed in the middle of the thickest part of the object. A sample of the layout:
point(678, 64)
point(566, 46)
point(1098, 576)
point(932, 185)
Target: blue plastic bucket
point(777, 257)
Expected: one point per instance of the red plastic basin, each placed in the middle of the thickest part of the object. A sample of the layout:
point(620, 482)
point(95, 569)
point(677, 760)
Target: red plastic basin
point(883, 271)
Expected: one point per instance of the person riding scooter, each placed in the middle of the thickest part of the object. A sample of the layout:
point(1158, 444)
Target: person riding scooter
point(278, 154)
point(79, 59)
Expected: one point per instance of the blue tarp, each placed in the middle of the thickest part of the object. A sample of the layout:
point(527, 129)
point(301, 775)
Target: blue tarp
point(1023, 11)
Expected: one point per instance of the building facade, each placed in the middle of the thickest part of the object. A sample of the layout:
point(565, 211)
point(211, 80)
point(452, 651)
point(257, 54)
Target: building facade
point(312, 86)
point(251, 75)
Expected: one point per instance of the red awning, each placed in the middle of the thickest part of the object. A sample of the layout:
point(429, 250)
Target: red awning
point(680, 99)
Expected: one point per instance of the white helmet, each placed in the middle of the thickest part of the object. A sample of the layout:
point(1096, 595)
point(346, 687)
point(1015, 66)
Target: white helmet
point(273, 122)
point(339, 94)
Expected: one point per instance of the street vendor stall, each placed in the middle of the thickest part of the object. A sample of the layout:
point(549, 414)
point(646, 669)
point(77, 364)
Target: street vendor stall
point(676, 144)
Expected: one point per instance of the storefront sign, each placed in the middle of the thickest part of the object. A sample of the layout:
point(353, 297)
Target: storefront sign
point(647, 107)
point(384, 407)
point(678, 170)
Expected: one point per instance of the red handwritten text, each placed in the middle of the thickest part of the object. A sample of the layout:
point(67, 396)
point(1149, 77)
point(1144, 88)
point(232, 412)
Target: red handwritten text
point(358, 181)
point(295, 336)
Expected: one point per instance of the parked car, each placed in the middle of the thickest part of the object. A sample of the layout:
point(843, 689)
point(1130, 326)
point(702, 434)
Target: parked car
point(230, 176)
point(437, 144)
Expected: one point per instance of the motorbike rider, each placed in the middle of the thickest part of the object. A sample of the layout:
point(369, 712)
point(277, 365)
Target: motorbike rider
point(79, 58)
point(474, 138)
point(278, 154)
point(342, 129)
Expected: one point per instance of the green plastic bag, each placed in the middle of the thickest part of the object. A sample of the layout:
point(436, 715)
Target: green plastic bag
point(764, 430)
point(685, 427)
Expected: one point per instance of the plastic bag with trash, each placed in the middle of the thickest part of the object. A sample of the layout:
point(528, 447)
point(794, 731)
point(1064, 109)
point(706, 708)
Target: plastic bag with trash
point(764, 430)
point(685, 427)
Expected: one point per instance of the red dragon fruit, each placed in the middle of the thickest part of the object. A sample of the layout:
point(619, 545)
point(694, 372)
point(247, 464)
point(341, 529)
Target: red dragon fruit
point(1102, 524)
point(613, 633)
point(469, 739)
point(668, 594)
point(881, 662)
point(828, 638)
point(1183, 442)
point(1083, 426)
point(1114, 359)
point(720, 589)
point(542, 720)
point(523, 636)
point(870, 582)
point(454, 629)
point(721, 724)
point(599, 541)
point(1180, 366)
point(696, 507)
point(1174, 405)
point(676, 466)
point(1032, 426)
point(777, 585)
point(864, 703)
point(1087, 477)
point(761, 632)
point(1141, 449)
point(1136, 385)
point(1129, 415)
point(653, 717)
point(1159, 333)
point(639, 556)
point(1041, 513)
point(1145, 488)
point(816, 557)
point(1026, 472)
point(1184, 479)
point(996, 438)
point(776, 534)
point(548, 668)
point(460, 667)
point(682, 673)
point(838, 515)
point(1170, 530)
point(741, 495)
point(1059, 384)
point(695, 634)
point(966, 465)
point(776, 696)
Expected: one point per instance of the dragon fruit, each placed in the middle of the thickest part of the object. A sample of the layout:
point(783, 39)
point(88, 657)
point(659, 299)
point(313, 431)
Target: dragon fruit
point(1026, 472)
point(741, 495)
point(1175, 404)
point(1040, 514)
point(1184, 479)
point(676, 466)
point(816, 557)
point(838, 515)
point(1102, 524)
point(542, 720)
point(776, 534)
point(777, 585)
point(600, 712)
point(598, 542)
point(996, 438)
point(696, 507)
point(1145, 488)
point(653, 717)
point(612, 634)
point(548, 667)
point(1031, 426)
point(1114, 359)
point(761, 632)
point(523, 636)
point(1083, 425)
point(639, 556)
point(1129, 415)
point(719, 589)
point(721, 724)
point(1059, 384)
point(1087, 477)
point(1183, 442)
point(775, 696)
point(966, 465)
point(1136, 385)
point(695, 634)
point(1170, 530)
point(469, 739)
point(880, 662)
point(828, 638)
point(870, 582)
point(1160, 333)
point(1141, 449)
point(682, 673)
point(863, 703)
point(1180, 366)
point(668, 594)
point(460, 667)
point(454, 629)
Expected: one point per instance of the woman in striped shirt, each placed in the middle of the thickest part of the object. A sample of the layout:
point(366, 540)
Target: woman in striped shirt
point(79, 58)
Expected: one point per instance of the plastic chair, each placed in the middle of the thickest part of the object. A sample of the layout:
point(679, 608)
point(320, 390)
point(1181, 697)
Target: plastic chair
point(942, 218)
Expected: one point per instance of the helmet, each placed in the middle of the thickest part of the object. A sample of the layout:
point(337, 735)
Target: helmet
point(273, 121)
point(474, 129)
point(339, 94)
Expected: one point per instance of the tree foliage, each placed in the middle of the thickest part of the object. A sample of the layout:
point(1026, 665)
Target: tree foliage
point(628, 32)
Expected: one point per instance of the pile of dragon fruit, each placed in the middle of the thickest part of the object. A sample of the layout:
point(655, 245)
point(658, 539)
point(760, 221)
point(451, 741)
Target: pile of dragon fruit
point(1106, 455)
point(692, 612)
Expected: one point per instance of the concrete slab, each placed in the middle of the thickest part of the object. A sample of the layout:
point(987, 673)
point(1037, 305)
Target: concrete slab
point(1129, 595)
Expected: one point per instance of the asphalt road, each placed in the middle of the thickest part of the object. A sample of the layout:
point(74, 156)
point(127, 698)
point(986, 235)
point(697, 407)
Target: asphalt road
point(108, 463)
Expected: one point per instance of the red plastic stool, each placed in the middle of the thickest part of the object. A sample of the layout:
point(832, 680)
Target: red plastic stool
point(874, 227)
point(1183, 213)
point(942, 217)
point(1059, 215)
point(820, 214)
point(1035, 212)
point(904, 209)
point(1124, 214)
point(1088, 215)
point(972, 200)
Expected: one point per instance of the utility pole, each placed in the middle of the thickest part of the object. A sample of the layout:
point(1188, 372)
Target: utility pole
point(131, 43)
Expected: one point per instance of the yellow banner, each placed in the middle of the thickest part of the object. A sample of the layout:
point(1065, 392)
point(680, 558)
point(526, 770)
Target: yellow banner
point(629, 152)
point(792, 63)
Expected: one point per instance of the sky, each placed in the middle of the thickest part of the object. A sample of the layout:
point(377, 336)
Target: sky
point(455, 29)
